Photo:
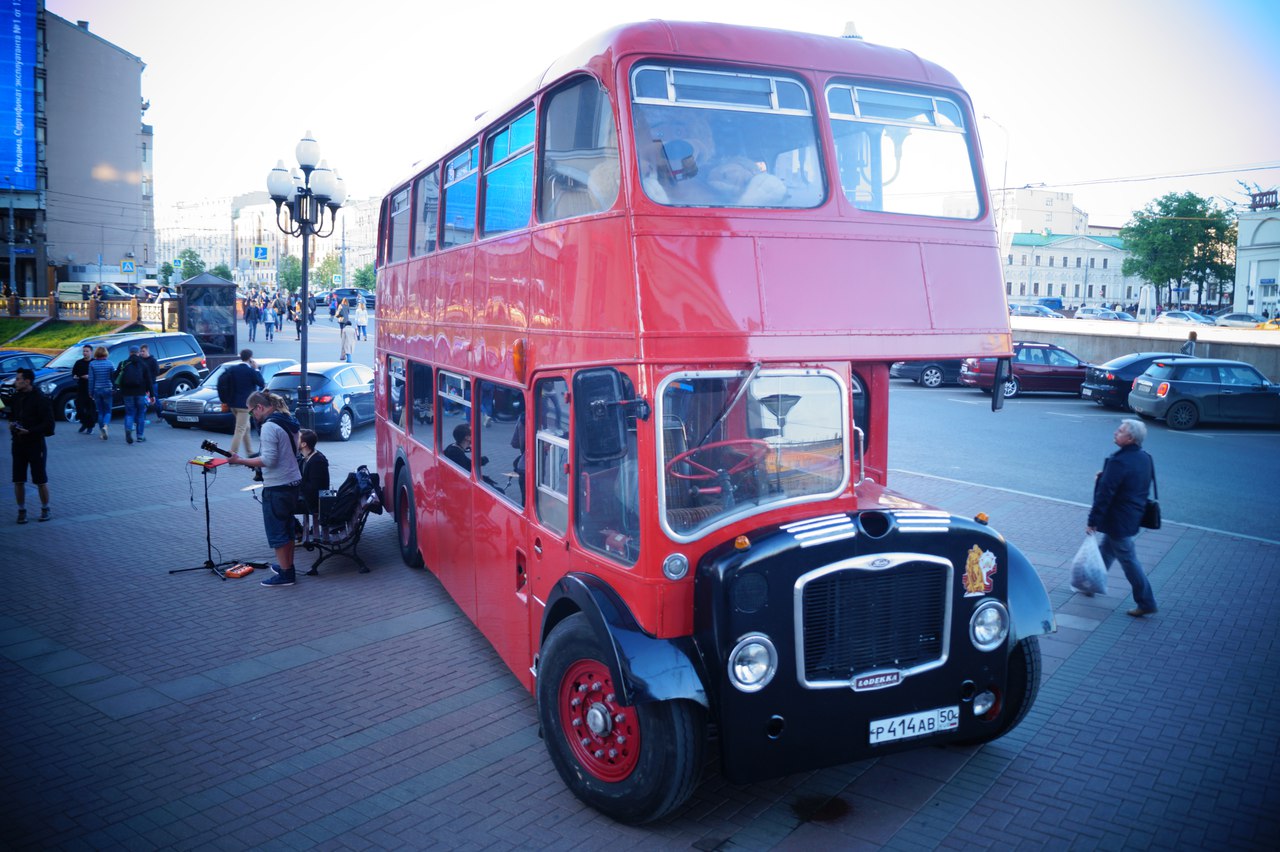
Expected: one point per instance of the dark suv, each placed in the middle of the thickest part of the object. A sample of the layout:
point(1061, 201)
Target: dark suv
point(353, 293)
point(182, 366)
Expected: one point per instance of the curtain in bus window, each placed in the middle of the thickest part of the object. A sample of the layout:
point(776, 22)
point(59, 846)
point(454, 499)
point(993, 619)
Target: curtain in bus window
point(903, 152)
point(712, 139)
point(551, 453)
point(398, 228)
point(458, 225)
point(396, 381)
point(580, 173)
point(424, 216)
point(422, 424)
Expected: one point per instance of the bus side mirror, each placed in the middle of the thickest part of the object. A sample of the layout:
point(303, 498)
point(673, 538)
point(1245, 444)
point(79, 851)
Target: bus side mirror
point(599, 420)
point(997, 383)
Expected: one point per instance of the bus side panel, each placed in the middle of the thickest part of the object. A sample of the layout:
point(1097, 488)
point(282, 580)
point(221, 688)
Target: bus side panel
point(497, 534)
point(452, 534)
point(502, 300)
point(582, 293)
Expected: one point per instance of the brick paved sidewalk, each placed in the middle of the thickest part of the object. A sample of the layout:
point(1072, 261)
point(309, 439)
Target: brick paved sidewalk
point(145, 710)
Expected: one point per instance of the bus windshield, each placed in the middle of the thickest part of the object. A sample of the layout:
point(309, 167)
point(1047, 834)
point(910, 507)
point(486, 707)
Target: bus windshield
point(902, 152)
point(720, 139)
point(729, 450)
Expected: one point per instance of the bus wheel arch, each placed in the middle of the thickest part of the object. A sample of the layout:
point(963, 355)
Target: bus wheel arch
point(406, 516)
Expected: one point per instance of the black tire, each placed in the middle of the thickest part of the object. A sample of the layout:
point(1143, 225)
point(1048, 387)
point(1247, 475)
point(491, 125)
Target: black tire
point(1020, 690)
point(633, 763)
point(1182, 416)
point(931, 376)
point(64, 407)
point(181, 385)
point(1011, 387)
point(346, 425)
point(406, 513)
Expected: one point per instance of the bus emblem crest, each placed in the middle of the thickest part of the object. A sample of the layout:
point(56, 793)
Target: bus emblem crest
point(978, 569)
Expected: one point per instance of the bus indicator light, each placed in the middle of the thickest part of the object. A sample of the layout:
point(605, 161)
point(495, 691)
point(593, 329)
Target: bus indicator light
point(519, 359)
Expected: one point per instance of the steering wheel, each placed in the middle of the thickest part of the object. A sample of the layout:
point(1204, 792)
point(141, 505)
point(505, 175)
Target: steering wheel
point(752, 450)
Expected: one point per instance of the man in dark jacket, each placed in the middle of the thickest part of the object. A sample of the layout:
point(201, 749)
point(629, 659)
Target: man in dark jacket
point(86, 413)
point(153, 364)
point(234, 386)
point(30, 421)
point(1119, 498)
point(133, 377)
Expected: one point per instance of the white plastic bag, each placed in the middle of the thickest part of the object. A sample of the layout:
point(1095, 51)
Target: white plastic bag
point(1088, 572)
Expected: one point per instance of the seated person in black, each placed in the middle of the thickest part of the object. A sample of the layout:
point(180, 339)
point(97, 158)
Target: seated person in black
point(459, 452)
point(315, 473)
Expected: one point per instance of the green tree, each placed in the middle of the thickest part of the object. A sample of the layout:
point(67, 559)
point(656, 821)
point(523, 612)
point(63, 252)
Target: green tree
point(1181, 240)
point(322, 273)
point(222, 271)
point(364, 277)
point(192, 265)
point(289, 273)
point(166, 273)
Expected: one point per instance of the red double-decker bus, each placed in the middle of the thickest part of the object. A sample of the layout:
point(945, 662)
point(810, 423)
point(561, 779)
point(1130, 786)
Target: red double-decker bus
point(633, 344)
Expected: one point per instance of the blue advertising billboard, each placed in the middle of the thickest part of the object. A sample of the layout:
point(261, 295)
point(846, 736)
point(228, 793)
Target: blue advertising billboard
point(17, 106)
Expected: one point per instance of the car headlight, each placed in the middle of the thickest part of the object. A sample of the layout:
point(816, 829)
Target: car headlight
point(753, 663)
point(169, 404)
point(213, 407)
point(48, 388)
point(989, 626)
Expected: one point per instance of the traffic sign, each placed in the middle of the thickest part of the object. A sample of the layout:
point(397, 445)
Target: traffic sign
point(259, 254)
point(337, 280)
point(126, 266)
point(176, 263)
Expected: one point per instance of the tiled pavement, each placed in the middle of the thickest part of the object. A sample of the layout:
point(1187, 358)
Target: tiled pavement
point(145, 710)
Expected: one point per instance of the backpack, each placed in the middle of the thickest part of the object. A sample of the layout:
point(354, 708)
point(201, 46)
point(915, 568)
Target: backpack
point(130, 373)
point(226, 387)
point(354, 488)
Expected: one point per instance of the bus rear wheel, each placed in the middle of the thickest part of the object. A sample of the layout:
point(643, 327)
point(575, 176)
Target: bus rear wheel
point(406, 520)
point(632, 763)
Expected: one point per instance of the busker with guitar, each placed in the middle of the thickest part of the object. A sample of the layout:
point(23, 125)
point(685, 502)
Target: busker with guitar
point(278, 461)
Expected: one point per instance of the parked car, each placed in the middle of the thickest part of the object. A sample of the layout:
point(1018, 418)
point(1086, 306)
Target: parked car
point(201, 406)
point(320, 297)
point(1034, 311)
point(1183, 318)
point(12, 360)
point(182, 366)
point(1239, 320)
point(1125, 316)
point(1095, 313)
point(341, 393)
point(353, 293)
point(1190, 391)
point(1035, 367)
point(1109, 384)
point(931, 374)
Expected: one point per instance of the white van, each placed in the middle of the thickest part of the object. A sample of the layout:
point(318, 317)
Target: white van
point(79, 291)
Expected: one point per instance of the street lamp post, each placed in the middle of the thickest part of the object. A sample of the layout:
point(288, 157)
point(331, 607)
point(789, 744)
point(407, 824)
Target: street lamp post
point(305, 194)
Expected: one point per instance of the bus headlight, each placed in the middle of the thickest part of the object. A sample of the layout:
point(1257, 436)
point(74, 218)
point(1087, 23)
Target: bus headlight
point(753, 663)
point(989, 626)
point(675, 566)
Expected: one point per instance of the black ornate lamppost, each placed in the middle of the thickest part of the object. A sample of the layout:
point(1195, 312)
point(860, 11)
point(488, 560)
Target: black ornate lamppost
point(305, 194)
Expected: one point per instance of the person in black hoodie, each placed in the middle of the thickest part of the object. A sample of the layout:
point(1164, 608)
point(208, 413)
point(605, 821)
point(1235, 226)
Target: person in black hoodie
point(1119, 498)
point(86, 412)
point(30, 421)
point(133, 377)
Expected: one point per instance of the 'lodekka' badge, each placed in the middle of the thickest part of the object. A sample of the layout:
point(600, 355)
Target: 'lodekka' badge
point(978, 569)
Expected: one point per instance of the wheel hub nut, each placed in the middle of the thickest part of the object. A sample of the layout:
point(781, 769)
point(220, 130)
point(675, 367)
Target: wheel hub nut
point(598, 720)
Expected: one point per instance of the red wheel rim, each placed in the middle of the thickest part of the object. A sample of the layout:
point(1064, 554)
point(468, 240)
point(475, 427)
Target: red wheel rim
point(603, 734)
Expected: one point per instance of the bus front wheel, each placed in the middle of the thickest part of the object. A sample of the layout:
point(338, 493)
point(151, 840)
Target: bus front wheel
point(1020, 690)
point(633, 763)
point(406, 520)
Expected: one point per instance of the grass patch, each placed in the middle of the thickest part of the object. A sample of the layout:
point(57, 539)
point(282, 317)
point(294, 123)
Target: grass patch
point(60, 335)
point(11, 327)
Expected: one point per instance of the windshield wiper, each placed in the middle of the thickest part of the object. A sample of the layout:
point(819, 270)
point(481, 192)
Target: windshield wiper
point(742, 389)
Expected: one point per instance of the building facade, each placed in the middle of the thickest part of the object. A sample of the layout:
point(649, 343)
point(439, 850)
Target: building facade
point(1080, 269)
point(1258, 256)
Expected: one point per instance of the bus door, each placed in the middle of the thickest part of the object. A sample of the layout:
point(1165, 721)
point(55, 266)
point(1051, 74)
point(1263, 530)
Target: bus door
point(452, 526)
point(547, 471)
point(499, 527)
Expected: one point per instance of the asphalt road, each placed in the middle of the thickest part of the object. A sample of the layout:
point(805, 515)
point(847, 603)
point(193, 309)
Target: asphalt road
point(1051, 445)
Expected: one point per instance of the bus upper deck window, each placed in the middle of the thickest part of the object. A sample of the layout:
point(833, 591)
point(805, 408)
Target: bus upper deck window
point(579, 172)
point(903, 152)
point(725, 139)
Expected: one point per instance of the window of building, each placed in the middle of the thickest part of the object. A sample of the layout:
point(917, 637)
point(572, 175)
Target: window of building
point(1091, 262)
point(1024, 260)
point(1089, 292)
point(1037, 260)
point(1104, 263)
point(461, 178)
point(1051, 259)
point(1035, 288)
point(1022, 289)
point(1077, 263)
point(508, 180)
point(426, 212)
point(1064, 261)
point(1008, 260)
point(580, 171)
point(423, 420)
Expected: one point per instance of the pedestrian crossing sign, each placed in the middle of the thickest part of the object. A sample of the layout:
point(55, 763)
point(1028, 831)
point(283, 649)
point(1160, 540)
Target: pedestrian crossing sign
point(126, 266)
point(259, 254)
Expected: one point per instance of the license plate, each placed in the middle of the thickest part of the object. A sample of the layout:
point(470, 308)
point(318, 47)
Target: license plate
point(1086, 393)
point(915, 725)
point(1146, 386)
point(187, 418)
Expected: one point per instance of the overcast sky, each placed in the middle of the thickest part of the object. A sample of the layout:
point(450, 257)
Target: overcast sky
point(1093, 96)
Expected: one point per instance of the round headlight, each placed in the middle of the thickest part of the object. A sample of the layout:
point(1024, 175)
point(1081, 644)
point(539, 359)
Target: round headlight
point(753, 663)
point(675, 566)
point(989, 626)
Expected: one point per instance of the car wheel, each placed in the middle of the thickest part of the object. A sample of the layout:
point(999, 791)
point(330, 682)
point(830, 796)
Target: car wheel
point(632, 763)
point(346, 425)
point(181, 385)
point(1182, 416)
point(407, 520)
point(1011, 387)
point(931, 377)
point(65, 407)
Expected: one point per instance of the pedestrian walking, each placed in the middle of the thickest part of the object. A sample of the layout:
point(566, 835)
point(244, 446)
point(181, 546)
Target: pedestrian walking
point(133, 377)
point(86, 413)
point(235, 385)
point(344, 312)
point(252, 316)
point(1189, 348)
point(362, 321)
point(296, 314)
point(30, 422)
point(154, 366)
point(269, 321)
point(1119, 499)
point(347, 344)
point(103, 389)
point(278, 461)
point(333, 306)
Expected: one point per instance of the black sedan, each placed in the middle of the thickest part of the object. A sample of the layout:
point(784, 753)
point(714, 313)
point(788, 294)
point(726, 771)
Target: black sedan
point(12, 361)
point(1109, 384)
point(341, 395)
point(201, 407)
point(931, 374)
point(1189, 391)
